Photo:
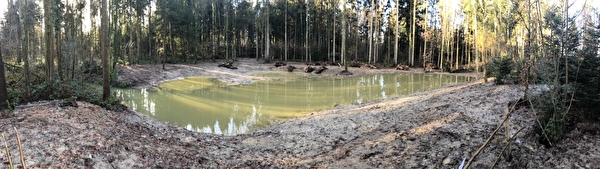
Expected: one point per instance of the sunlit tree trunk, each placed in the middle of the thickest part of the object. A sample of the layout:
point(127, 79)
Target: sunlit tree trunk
point(396, 32)
point(475, 37)
point(411, 46)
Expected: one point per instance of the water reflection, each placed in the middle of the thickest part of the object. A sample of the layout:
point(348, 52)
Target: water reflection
point(205, 105)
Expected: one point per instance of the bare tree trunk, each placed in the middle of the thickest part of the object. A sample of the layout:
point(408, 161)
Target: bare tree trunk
point(59, 53)
point(396, 32)
point(476, 55)
point(267, 35)
point(104, 51)
point(286, 32)
point(371, 31)
point(411, 46)
point(333, 37)
point(3, 91)
point(306, 39)
point(213, 36)
point(343, 50)
point(150, 34)
point(49, 39)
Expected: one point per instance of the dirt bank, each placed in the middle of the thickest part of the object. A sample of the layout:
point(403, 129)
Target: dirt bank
point(431, 129)
point(144, 76)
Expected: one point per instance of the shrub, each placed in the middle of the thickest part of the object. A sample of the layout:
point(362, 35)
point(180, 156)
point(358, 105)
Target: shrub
point(501, 68)
point(59, 89)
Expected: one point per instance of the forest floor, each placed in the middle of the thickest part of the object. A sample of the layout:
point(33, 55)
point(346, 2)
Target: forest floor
point(430, 129)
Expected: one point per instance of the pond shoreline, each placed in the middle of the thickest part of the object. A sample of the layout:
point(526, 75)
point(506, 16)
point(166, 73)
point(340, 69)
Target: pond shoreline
point(430, 129)
point(149, 76)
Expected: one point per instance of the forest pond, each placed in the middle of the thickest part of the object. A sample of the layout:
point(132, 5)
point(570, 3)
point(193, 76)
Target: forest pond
point(205, 104)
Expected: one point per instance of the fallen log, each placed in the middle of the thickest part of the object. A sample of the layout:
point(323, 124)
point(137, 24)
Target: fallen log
point(402, 67)
point(368, 66)
point(279, 64)
point(291, 68)
point(320, 70)
point(228, 64)
point(309, 69)
point(354, 64)
point(429, 67)
point(344, 73)
point(72, 102)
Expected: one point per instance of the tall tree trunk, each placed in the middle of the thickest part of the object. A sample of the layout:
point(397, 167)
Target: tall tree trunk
point(333, 37)
point(26, 58)
point(267, 34)
point(306, 38)
point(343, 50)
point(214, 35)
point(25, 49)
point(130, 43)
point(48, 20)
point(3, 92)
point(396, 32)
point(286, 32)
point(371, 31)
point(59, 53)
point(104, 51)
point(150, 32)
point(475, 52)
point(226, 34)
point(411, 46)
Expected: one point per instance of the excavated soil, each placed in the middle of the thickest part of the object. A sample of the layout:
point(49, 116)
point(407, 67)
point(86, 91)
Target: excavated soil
point(432, 129)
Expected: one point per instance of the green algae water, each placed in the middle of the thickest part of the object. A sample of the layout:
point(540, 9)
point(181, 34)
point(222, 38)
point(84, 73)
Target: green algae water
point(207, 105)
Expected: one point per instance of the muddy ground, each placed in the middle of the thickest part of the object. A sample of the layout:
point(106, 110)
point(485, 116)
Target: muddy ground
point(431, 129)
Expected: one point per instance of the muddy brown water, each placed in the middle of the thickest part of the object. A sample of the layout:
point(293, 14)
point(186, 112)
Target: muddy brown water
point(205, 104)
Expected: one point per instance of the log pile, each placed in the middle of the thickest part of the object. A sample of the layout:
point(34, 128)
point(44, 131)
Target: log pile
point(69, 102)
point(344, 73)
point(334, 64)
point(368, 66)
point(309, 69)
point(429, 67)
point(320, 70)
point(291, 68)
point(402, 67)
point(279, 64)
point(228, 64)
point(354, 64)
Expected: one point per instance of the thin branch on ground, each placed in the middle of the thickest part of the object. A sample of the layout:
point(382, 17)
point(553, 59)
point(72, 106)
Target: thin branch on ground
point(7, 152)
point(492, 134)
point(20, 149)
point(510, 140)
point(537, 120)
